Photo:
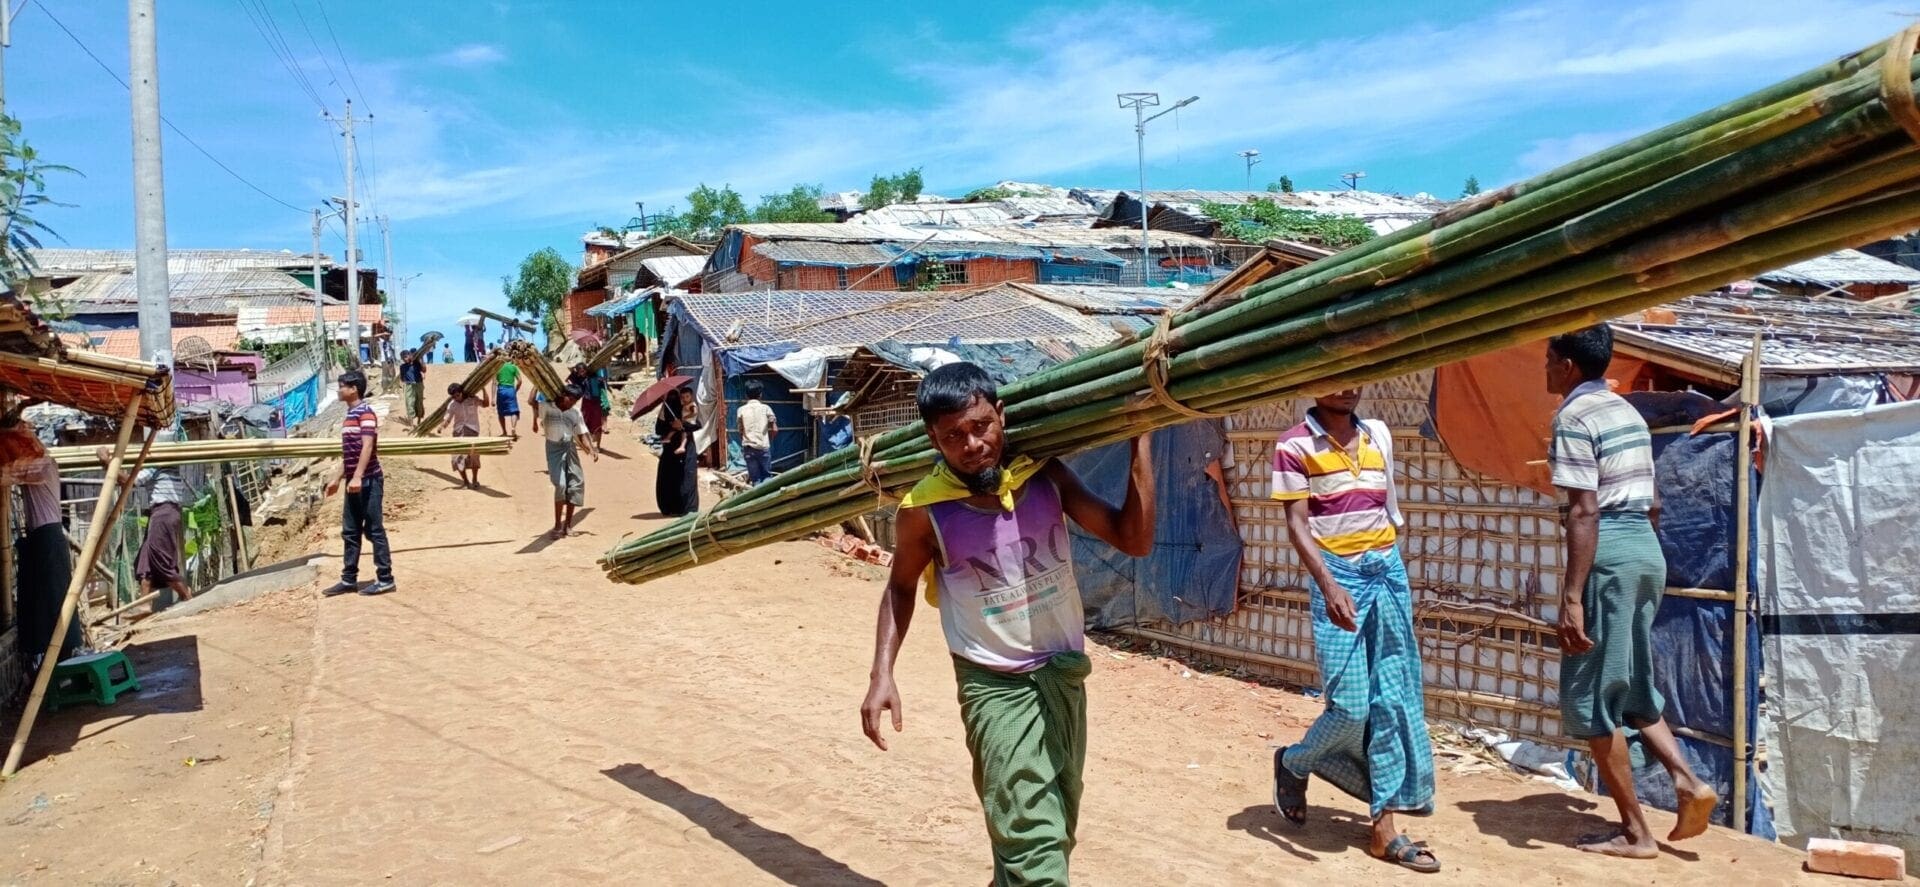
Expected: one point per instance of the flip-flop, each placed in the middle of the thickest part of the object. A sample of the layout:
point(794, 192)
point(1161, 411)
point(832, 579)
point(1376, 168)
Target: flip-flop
point(1289, 791)
point(1402, 851)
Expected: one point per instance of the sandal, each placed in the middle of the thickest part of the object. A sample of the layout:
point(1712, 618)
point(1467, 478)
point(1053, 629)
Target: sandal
point(1289, 791)
point(1402, 851)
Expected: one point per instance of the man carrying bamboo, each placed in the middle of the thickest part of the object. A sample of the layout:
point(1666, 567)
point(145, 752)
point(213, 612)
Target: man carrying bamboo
point(567, 432)
point(988, 532)
point(413, 378)
point(360, 517)
point(1334, 472)
point(1602, 458)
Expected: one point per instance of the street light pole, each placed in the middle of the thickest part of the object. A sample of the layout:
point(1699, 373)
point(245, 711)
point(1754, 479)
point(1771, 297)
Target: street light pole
point(1139, 102)
point(1251, 156)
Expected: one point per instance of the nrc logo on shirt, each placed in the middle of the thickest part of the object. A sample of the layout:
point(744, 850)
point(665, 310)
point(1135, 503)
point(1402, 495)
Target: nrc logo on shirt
point(1019, 562)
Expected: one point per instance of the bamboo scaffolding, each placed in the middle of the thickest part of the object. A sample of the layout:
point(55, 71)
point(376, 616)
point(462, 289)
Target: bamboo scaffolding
point(201, 452)
point(1818, 163)
point(106, 511)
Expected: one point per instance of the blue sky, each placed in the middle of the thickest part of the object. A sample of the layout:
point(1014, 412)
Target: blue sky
point(502, 127)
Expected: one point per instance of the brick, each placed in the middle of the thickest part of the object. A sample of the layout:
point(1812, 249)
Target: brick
point(1856, 859)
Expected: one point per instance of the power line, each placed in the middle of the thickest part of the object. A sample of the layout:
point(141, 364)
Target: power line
point(324, 19)
point(332, 77)
point(170, 124)
point(269, 30)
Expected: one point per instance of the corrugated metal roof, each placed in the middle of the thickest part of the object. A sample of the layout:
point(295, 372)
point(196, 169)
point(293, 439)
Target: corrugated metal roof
point(1052, 207)
point(844, 255)
point(843, 319)
point(936, 215)
point(119, 287)
point(675, 270)
point(1804, 335)
point(1844, 267)
point(64, 262)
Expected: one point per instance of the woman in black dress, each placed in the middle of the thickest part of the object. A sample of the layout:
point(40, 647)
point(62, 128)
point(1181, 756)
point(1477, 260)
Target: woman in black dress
point(676, 488)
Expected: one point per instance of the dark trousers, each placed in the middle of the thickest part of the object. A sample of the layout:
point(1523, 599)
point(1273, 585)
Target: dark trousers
point(360, 518)
point(759, 464)
point(45, 568)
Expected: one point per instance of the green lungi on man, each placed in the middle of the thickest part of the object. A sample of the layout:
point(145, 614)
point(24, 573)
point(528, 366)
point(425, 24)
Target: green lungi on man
point(988, 533)
point(1602, 459)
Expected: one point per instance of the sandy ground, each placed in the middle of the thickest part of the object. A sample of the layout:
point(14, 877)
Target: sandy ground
point(509, 716)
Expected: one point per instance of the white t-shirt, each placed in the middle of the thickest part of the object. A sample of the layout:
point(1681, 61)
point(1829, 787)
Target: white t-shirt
point(755, 419)
point(562, 425)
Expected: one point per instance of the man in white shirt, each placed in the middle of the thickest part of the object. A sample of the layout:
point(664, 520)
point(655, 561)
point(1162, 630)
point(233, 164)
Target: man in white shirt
point(566, 430)
point(758, 428)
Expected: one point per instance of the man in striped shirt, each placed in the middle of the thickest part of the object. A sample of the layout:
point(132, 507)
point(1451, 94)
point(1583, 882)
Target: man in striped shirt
point(1602, 458)
point(360, 517)
point(1334, 471)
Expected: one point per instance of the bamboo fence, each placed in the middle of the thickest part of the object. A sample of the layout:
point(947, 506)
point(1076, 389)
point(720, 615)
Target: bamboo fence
point(1826, 160)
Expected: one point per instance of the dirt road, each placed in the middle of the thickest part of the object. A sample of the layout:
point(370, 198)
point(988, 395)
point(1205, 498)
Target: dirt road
point(510, 717)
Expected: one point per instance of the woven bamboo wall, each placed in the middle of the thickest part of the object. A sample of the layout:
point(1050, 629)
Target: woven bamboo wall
point(1484, 558)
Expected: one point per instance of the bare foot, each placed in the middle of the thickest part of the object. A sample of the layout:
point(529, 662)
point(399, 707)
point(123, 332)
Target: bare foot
point(556, 533)
point(1620, 845)
point(1696, 811)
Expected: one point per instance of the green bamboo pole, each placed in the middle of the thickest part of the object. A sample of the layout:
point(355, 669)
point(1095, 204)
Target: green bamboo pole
point(478, 379)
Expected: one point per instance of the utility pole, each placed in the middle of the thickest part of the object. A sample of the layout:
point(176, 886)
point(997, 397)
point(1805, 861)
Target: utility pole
point(353, 258)
point(1252, 157)
point(1353, 180)
point(398, 322)
point(1139, 102)
point(6, 40)
point(320, 338)
point(149, 203)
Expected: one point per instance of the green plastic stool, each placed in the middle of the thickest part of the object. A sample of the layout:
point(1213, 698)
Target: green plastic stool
point(90, 678)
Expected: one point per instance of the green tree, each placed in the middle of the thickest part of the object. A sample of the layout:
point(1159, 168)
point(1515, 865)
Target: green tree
point(1284, 186)
point(542, 286)
point(1258, 221)
point(801, 203)
point(709, 209)
point(888, 190)
point(1472, 186)
point(23, 192)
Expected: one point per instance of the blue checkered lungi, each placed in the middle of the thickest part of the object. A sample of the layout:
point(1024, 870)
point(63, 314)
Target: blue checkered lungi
point(1371, 742)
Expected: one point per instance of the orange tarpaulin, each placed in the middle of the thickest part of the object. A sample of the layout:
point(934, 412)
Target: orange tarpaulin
point(1495, 416)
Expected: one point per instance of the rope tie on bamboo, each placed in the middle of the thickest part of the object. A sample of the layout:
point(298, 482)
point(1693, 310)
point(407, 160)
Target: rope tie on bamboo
point(1154, 365)
point(1896, 81)
point(705, 518)
point(870, 472)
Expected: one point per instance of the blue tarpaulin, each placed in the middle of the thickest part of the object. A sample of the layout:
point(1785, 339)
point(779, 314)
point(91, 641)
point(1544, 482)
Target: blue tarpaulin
point(747, 357)
point(1194, 570)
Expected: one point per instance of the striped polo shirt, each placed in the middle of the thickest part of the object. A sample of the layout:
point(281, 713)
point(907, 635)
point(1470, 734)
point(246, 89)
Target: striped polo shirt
point(1601, 443)
point(362, 424)
point(1351, 506)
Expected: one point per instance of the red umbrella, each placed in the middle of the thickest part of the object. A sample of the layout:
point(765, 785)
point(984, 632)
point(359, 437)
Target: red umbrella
point(586, 339)
point(654, 394)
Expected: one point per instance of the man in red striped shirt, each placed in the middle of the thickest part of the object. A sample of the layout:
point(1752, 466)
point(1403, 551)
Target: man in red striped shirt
point(360, 517)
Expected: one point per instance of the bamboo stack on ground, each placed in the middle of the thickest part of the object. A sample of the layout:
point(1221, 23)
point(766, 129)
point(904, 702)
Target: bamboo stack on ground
point(1820, 162)
point(200, 452)
point(482, 378)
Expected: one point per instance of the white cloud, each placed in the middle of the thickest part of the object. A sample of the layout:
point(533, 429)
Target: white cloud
point(472, 55)
point(1040, 104)
point(1545, 154)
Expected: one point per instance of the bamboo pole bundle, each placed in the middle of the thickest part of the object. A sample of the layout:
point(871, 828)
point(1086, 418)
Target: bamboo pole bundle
point(538, 370)
point(1823, 161)
point(621, 341)
point(481, 378)
point(199, 452)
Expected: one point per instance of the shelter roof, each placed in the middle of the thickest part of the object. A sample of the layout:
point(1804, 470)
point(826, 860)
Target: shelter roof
point(844, 319)
point(1711, 334)
point(66, 262)
point(1040, 235)
point(961, 215)
point(34, 362)
point(675, 270)
point(126, 343)
point(1098, 299)
point(1844, 267)
point(196, 292)
point(633, 257)
point(882, 369)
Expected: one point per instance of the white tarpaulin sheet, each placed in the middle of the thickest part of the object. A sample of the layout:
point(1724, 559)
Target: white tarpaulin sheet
point(1839, 553)
point(805, 368)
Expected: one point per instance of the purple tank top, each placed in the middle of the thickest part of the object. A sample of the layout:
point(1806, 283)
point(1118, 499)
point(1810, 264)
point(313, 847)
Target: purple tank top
point(1008, 600)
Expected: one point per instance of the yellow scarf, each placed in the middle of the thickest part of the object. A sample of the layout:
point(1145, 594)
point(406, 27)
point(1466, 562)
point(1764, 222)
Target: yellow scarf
point(945, 486)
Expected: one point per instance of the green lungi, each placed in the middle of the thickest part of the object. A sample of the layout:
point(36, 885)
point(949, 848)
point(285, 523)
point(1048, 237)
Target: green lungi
point(1028, 736)
point(1611, 686)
